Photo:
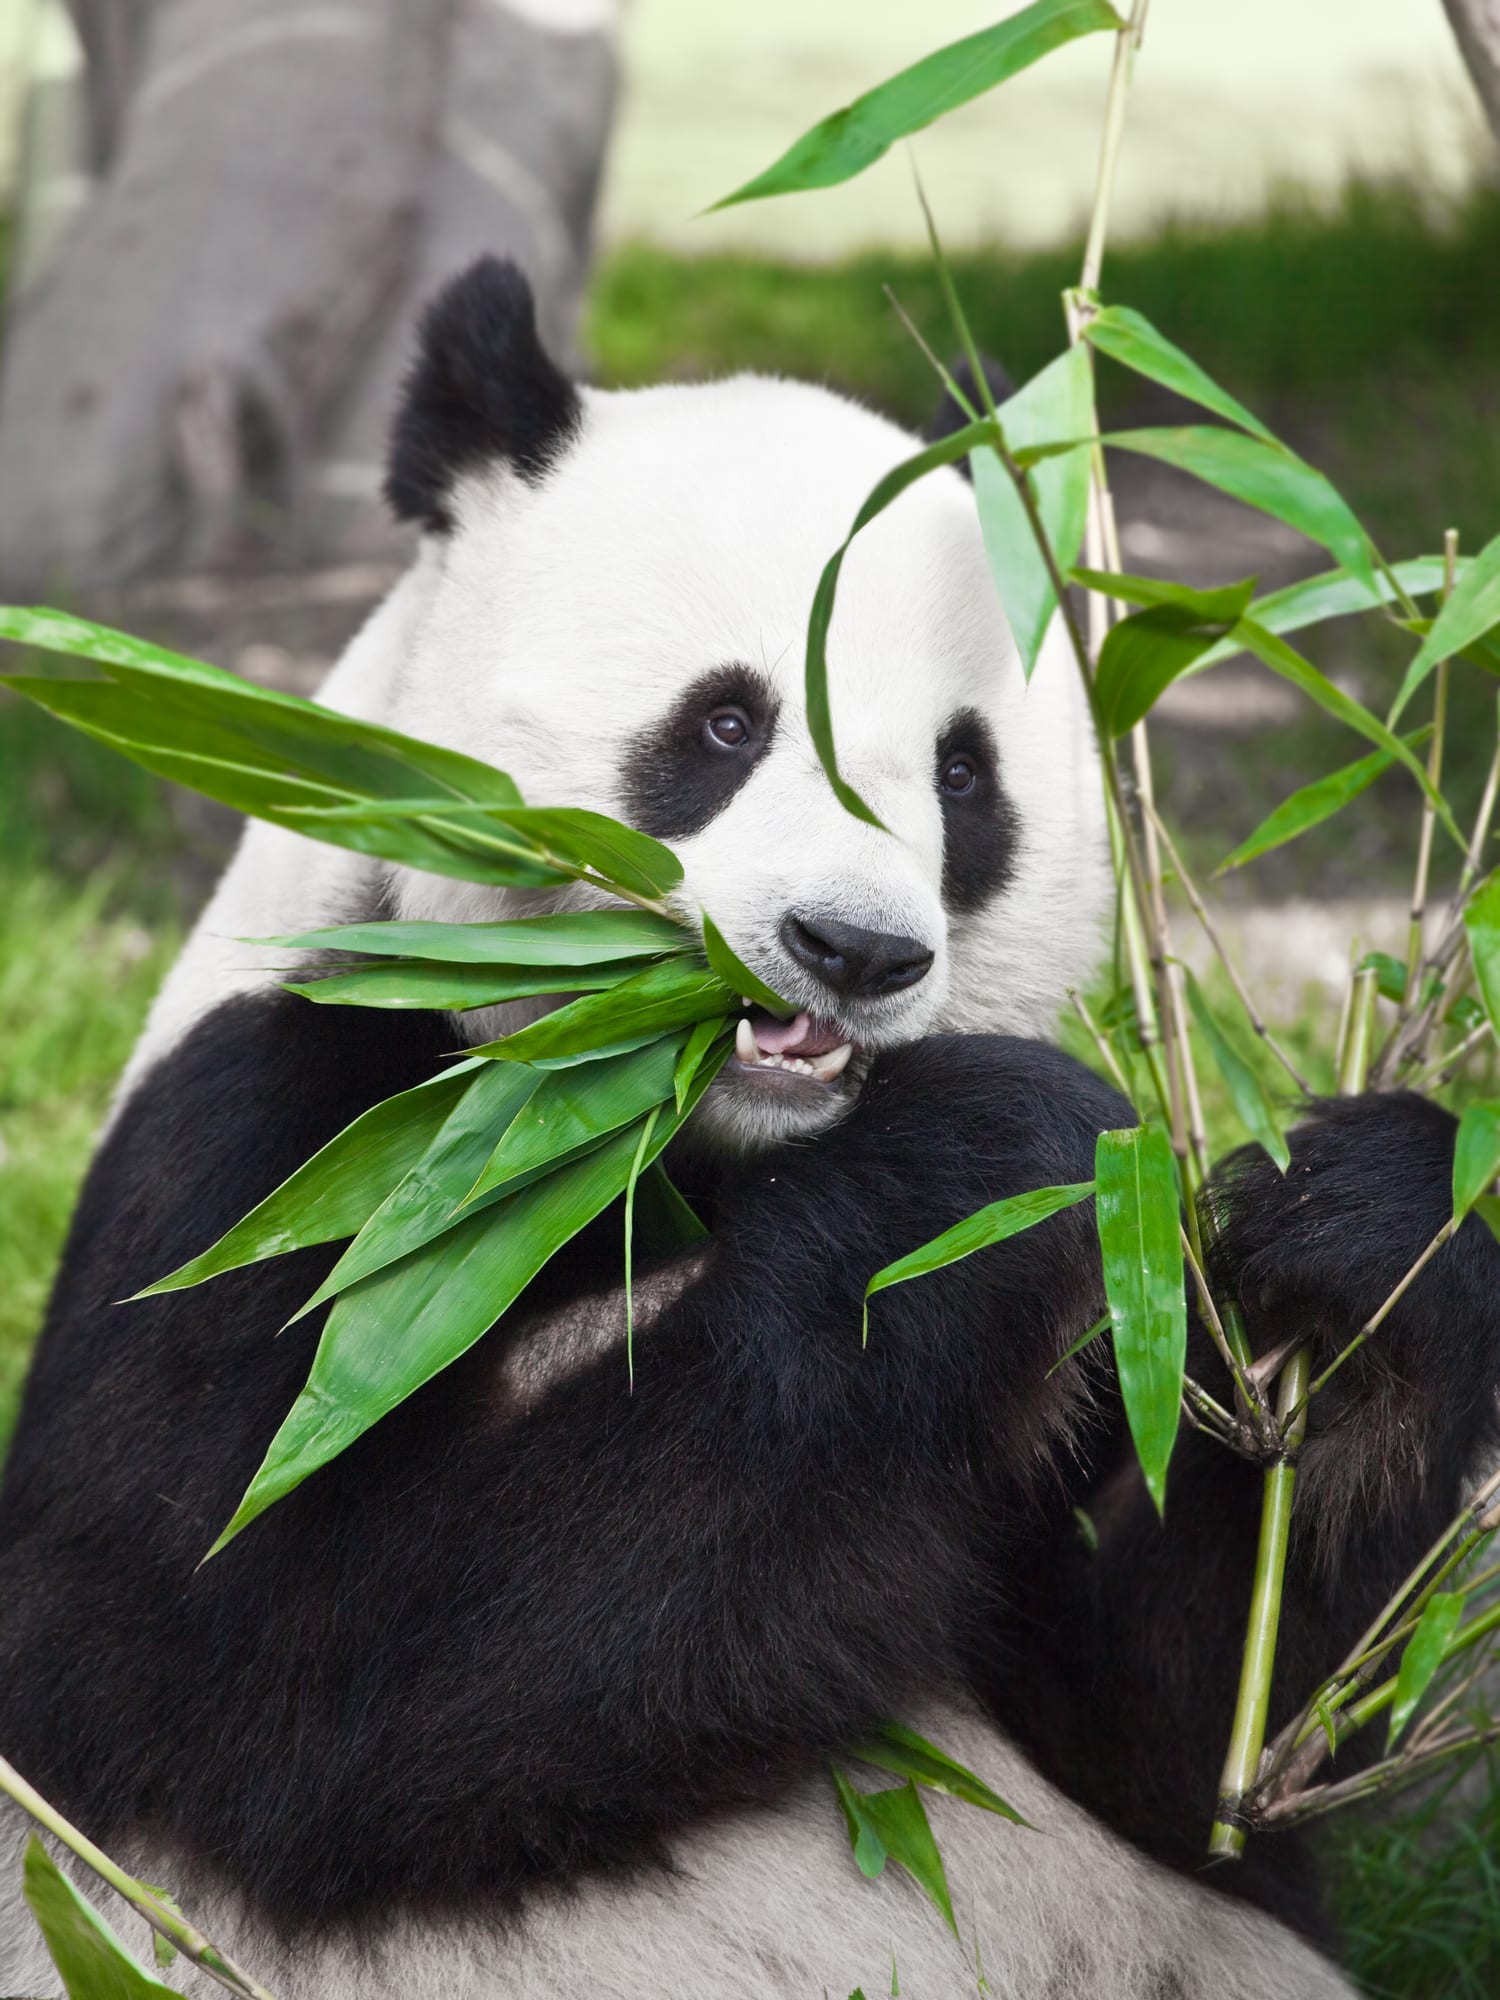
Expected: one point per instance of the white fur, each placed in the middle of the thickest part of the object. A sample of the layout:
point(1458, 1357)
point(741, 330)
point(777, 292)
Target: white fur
point(770, 1906)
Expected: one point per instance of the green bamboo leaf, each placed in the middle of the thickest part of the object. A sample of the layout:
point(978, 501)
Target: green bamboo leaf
point(431, 983)
point(1085, 1339)
point(695, 1052)
point(1422, 1658)
point(671, 994)
point(91, 1961)
point(1390, 974)
point(1476, 1156)
point(870, 1856)
point(843, 145)
point(1001, 1219)
point(1482, 921)
point(397, 1329)
point(333, 1194)
point(893, 1823)
point(212, 761)
point(1146, 652)
point(575, 937)
point(1252, 1105)
point(648, 1126)
point(1057, 403)
point(266, 753)
point(425, 1203)
point(1265, 476)
point(1469, 614)
point(664, 1218)
point(1139, 1236)
point(1129, 337)
point(896, 1748)
point(887, 490)
point(1309, 806)
point(1282, 659)
point(736, 975)
point(570, 1109)
point(1335, 594)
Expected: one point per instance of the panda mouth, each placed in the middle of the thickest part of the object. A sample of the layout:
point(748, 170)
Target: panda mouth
point(805, 1048)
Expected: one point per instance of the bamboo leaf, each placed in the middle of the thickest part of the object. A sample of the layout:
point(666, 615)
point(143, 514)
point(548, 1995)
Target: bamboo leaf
point(1482, 921)
point(665, 1218)
point(1129, 337)
point(1476, 1156)
point(1334, 594)
point(994, 1224)
point(899, 1821)
point(1422, 1658)
point(397, 1329)
point(648, 1126)
point(430, 983)
point(843, 145)
point(1390, 974)
point(1311, 804)
point(425, 1203)
point(569, 1109)
point(1283, 660)
point(1139, 1236)
point(1252, 1105)
point(1267, 477)
point(333, 1194)
point(1469, 614)
point(1146, 652)
point(1057, 403)
point(870, 1855)
point(575, 937)
point(736, 975)
point(700, 1040)
point(896, 1748)
point(671, 994)
point(91, 1960)
point(885, 492)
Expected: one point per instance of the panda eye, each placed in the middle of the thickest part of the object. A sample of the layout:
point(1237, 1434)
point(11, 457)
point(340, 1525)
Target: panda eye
point(958, 775)
point(727, 729)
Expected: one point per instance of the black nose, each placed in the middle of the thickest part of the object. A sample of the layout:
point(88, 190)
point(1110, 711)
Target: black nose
point(857, 963)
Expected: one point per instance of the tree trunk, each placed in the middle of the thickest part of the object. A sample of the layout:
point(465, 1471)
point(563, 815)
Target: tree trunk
point(1476, 23)
point(164, 371)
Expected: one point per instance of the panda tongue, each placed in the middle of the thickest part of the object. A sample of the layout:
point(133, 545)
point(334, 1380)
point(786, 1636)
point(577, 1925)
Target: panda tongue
point(801, 1036)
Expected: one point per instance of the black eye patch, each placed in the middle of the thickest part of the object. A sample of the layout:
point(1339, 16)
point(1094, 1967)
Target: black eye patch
point(981, 831)
point(684, 768)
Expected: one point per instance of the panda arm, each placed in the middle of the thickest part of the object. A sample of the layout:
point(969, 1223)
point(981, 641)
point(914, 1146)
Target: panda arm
point(1126, 1686)
point(625, 1609)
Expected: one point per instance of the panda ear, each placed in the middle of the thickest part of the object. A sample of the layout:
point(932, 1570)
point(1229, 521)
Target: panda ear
point(481, 389)
point(950, 416)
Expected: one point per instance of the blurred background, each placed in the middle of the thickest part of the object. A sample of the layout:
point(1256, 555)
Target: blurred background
point(218, 219)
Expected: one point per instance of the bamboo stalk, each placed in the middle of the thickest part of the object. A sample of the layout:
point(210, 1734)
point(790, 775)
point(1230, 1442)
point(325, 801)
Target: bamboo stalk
point(187, 1938)
point(1226, 1839)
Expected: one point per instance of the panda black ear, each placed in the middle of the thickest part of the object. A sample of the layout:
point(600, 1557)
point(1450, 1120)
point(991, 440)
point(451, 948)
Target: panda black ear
point(949, 416)
point(481, 389)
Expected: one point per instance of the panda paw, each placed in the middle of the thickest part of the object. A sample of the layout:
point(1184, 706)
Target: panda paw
point(1314, 1254)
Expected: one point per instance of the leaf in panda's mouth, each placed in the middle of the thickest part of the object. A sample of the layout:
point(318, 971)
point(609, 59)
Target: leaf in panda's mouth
point(803, 1046)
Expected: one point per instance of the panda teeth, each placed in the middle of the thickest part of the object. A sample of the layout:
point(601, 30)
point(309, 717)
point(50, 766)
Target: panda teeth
point(825, 1067)
point(744, 1043)
point(834, 1063)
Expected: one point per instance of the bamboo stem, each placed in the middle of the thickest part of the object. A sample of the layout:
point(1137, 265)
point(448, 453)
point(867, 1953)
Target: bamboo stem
point(1226, 1841)
point(189, 1940)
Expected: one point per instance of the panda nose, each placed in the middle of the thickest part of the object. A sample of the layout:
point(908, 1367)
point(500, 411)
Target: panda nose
point(857, 963)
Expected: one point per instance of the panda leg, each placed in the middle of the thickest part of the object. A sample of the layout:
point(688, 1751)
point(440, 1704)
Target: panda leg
point(1125, 1681)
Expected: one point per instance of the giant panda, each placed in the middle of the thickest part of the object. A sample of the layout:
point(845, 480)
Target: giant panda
point(533, 1692)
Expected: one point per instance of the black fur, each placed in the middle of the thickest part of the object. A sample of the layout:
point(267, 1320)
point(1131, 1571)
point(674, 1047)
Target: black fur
point(475, 1653)
point(481, 390)
point(675, 778)
point(980, 827)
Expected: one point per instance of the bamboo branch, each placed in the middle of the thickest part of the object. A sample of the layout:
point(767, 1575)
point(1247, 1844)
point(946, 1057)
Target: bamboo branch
point(168, 1923)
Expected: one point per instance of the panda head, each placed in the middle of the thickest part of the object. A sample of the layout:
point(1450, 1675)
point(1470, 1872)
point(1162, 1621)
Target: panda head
point(612, 605)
